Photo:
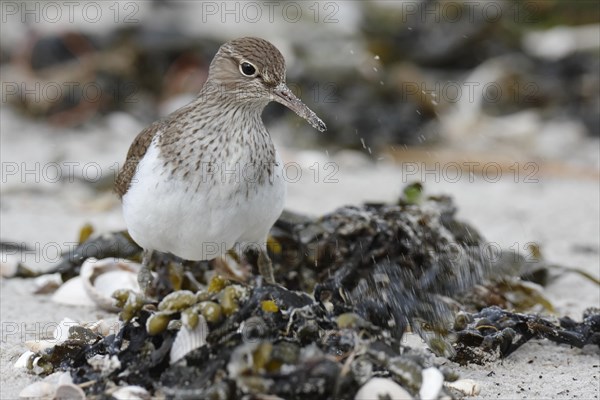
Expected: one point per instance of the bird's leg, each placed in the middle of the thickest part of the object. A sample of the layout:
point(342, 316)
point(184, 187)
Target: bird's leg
point(265, 267)
point(145, 275)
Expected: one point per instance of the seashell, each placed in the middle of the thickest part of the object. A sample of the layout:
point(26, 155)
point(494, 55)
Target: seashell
point(131, 393)
point(38, 390)
point(433, 380)
point(9, 265)
point(468, 387)
point(69, 391)
point(72, 293)
point(37, 346)
point(382, 388)
point(101, 278)
point(26, 360)
point(64, 379)
point(47, 283)
point(61, 332)
point(59, 335)
point(188, 339)
point(104, 327)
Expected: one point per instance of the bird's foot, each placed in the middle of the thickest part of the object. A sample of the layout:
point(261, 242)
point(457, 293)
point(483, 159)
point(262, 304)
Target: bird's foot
point(265, 267)
point(145, 277)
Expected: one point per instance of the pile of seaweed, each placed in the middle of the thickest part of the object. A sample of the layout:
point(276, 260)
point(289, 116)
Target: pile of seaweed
point(351, 284)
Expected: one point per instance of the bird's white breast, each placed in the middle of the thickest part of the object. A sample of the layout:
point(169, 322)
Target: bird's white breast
point(201, 217)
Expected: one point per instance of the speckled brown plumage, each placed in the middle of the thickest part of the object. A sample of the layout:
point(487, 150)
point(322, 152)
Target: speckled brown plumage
point(174, 201)
point(134, 155)
point(137, 150)
point(191, 133)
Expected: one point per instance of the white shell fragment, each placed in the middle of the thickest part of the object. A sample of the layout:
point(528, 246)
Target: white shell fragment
point(101, 278)
point(63, 379)
point(131, 393)
point(47, 283)
point(97, 282)
point(468, 387)
point(433, 380)
point(69, 391)
point(25, 359)
point(188, 339)
point(59, 335)
point(39, 390)
point(37, 346)
point(382, 388)
point(9, 265)
point(57, 386)
point(72, 293)
point(104, 327)
point(61, 332)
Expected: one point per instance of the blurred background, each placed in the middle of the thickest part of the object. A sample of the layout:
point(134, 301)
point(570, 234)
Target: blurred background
point(494, 102)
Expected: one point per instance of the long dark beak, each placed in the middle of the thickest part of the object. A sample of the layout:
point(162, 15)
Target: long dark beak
point(282, 94)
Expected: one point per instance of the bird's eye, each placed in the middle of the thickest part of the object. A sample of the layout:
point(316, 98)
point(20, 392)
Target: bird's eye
point(247, 69)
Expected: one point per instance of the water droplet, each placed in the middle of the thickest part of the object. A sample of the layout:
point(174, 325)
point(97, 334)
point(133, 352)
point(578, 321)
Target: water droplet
point(363, 143)
point(376, 57)
point(375, 69)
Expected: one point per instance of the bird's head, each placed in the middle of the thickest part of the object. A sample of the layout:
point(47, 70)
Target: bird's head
point(253, 70)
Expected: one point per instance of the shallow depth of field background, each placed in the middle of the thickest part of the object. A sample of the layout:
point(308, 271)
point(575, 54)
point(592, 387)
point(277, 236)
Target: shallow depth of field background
point(496, 103)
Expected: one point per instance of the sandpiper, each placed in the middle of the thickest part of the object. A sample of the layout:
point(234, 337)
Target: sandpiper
point(208, 178)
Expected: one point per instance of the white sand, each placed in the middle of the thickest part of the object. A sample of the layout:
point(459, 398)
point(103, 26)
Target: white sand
point(561, 214)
